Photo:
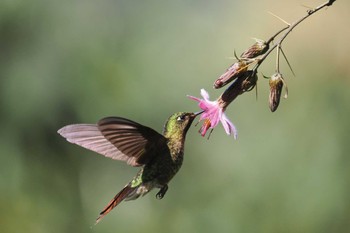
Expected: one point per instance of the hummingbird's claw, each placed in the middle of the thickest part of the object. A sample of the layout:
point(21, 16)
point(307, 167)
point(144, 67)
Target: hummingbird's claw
point(162, 192)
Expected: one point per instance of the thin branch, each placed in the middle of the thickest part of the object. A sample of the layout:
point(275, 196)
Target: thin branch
point(290, 28)
point(277, 33)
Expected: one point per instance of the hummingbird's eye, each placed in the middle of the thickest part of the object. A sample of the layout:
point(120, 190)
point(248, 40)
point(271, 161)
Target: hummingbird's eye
point(180, 118)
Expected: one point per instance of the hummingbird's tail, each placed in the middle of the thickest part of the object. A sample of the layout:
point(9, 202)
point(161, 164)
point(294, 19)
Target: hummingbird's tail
point(124, 193)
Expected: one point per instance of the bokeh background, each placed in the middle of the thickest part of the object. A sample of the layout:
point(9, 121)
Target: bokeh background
point(64, 62)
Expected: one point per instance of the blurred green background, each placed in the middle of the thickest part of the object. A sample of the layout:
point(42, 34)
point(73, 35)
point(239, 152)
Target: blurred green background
point(64, 62)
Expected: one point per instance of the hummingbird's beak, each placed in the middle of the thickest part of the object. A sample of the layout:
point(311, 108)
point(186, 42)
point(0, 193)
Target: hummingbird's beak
point(198, 113)
point(193, 115)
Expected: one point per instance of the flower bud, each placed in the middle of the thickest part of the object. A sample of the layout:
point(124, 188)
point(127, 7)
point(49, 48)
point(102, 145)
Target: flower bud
point(231, 74)
point(276, 85)
point(258, 48)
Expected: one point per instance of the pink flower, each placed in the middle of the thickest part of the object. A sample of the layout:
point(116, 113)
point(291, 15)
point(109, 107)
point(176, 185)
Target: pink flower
point(213, 113)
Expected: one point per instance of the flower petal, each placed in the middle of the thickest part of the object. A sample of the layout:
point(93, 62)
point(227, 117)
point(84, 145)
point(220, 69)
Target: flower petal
point(212, 115)
point(206, 125)
point(194, 98)
point(205, 95)
point(228, 126)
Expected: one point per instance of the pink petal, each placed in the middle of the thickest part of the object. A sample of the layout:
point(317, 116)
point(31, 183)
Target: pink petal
point(194, 98)
point(205, 95)
point(228, 126)
point(205, 126)
point(212, 114)
point(215, 115)
point(205, 105)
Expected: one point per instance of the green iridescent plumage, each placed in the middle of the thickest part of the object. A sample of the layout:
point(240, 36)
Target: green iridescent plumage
point(118, 138)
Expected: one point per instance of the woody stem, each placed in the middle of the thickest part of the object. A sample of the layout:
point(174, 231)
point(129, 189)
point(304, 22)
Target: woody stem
point(289, 28)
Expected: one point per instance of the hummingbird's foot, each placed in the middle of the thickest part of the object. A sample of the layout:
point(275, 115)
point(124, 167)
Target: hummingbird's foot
point(162, 192)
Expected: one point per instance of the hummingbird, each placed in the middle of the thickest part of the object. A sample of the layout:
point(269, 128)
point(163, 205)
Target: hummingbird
point(160, 156)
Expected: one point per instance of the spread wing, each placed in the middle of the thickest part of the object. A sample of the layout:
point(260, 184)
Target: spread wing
point(117, 138)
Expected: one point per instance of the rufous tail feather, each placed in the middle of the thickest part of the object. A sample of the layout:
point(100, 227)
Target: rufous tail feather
point(115, 201)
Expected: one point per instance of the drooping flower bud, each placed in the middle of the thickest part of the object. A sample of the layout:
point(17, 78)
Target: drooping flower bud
point(276, 84)
point(233, 72)
point(258, 48)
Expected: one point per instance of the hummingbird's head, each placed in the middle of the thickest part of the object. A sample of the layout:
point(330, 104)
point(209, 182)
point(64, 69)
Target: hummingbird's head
point(178, 124)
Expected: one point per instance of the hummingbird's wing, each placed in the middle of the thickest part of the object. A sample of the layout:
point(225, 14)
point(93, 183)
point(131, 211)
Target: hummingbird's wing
point(117, 138)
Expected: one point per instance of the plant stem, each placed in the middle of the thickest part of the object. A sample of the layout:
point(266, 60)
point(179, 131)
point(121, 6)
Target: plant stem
point(290, 28)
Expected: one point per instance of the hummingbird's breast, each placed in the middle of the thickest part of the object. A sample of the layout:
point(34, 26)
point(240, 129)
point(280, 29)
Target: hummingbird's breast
point(171, 165)
point(163, 167)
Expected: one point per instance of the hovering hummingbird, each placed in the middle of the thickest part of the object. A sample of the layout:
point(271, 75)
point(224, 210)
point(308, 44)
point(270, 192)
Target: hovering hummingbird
point(160, 156)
